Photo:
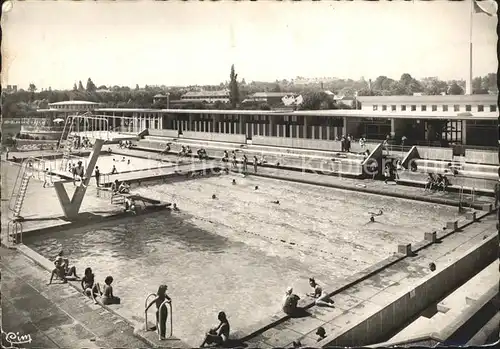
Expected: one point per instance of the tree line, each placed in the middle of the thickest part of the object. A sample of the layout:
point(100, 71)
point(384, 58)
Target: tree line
point(24, 103)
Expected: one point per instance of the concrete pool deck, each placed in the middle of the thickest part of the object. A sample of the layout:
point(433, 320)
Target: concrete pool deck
point(58, 316)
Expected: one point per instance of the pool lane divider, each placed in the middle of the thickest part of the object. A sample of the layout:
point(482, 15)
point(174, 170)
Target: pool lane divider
point(362, 189)
point(408, 251)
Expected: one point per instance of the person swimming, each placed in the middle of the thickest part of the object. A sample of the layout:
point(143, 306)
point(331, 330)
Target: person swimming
point(373, 215)
point(277, 202)
point(214, 196)
point(234, 181)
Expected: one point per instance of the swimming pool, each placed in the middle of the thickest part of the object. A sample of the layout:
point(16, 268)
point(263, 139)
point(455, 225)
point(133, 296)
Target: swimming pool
point(227, 254)
point(121, 162)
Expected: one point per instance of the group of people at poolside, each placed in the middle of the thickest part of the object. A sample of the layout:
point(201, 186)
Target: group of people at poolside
point(90, 288)
point(436, 183)
point(290, 301)
point(244, 160)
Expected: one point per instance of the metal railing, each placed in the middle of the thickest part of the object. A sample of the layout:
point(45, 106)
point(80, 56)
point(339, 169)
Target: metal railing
point(15, 232)
point(160, 319)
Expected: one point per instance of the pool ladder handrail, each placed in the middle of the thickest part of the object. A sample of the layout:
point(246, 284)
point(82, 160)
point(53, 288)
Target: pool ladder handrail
point(165, 302)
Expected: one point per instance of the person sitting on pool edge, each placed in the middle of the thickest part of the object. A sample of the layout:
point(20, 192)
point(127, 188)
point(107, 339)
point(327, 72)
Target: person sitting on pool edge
point(220, 334)
point(62, 269)
point(89, 286)
point(161, 314)
point(130, 205)
point(114, 170)
point(115, 186)
point(290, 302)
point(124, 188)
point(321, 296)
point(107, 296)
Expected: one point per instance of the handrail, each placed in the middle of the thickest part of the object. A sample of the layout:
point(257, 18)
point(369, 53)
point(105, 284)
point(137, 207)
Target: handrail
point(146, 313)
point(159, 320)
point(165, 302)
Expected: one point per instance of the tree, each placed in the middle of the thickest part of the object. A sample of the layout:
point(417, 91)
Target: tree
point(137, 87)
point(317, 101)
point(455, 89)
point(234, 92)
point(90, 86)
point(80, 86)
point(276, 88)
point(75, 88)
point(32, 88)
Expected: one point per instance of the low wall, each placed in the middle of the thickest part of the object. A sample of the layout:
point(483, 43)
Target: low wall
point(412, 154)
point(163, 133)
point(216, 137)
point(297, 143)
point(384, 322)
point(481, 156)
point(435, 153)
point(375, 155)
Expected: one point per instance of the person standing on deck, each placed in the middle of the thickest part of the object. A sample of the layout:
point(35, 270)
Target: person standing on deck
point(245, 162)
point(255, 163)
point(161, 310)
point(97, 175)
point(78, 174)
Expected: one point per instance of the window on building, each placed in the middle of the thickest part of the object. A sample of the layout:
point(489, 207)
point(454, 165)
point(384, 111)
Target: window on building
point(413, 108)
point(375, 107)
point(424, 108)
point(393, 108)
point(384, 107)
point(403, 108)
point(493, 107)
point(468, 107)
point(434, 107)
point(445, 108)
point(480, 107)
point(456, 107)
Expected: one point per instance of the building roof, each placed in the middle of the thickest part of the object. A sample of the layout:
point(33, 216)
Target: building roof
point(73, 103)
point(159, 95)
point(270, 94)
point(208, 94)
point(332, 113)
point(438, 99)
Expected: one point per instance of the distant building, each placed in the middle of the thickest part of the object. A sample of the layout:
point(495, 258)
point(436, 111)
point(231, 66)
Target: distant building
point(267, 97)
point(10, 89)
point(159, 98)
point(206, 96)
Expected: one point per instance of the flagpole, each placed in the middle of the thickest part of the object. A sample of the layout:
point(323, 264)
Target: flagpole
point(468, 87)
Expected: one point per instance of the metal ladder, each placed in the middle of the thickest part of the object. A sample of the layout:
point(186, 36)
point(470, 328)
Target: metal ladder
point(117, 199)
point(14, 232)
point(20, 188)
point(164, 304)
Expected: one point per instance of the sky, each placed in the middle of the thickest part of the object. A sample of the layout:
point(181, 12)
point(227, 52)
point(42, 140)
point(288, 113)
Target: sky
point(57, 43)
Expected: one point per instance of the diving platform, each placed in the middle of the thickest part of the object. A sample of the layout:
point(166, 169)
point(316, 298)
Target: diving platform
point(108, 136)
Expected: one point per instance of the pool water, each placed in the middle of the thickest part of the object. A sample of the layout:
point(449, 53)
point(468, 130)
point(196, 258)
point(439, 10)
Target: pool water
point(106, 162)
point(234, 253)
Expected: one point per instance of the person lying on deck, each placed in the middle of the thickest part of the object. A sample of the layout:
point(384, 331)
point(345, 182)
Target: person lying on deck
point(124, 188)
point(220, 334)
point(321, 296)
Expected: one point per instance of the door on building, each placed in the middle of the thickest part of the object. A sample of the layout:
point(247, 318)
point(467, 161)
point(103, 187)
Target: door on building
point(249, 130)
point(147, 123)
